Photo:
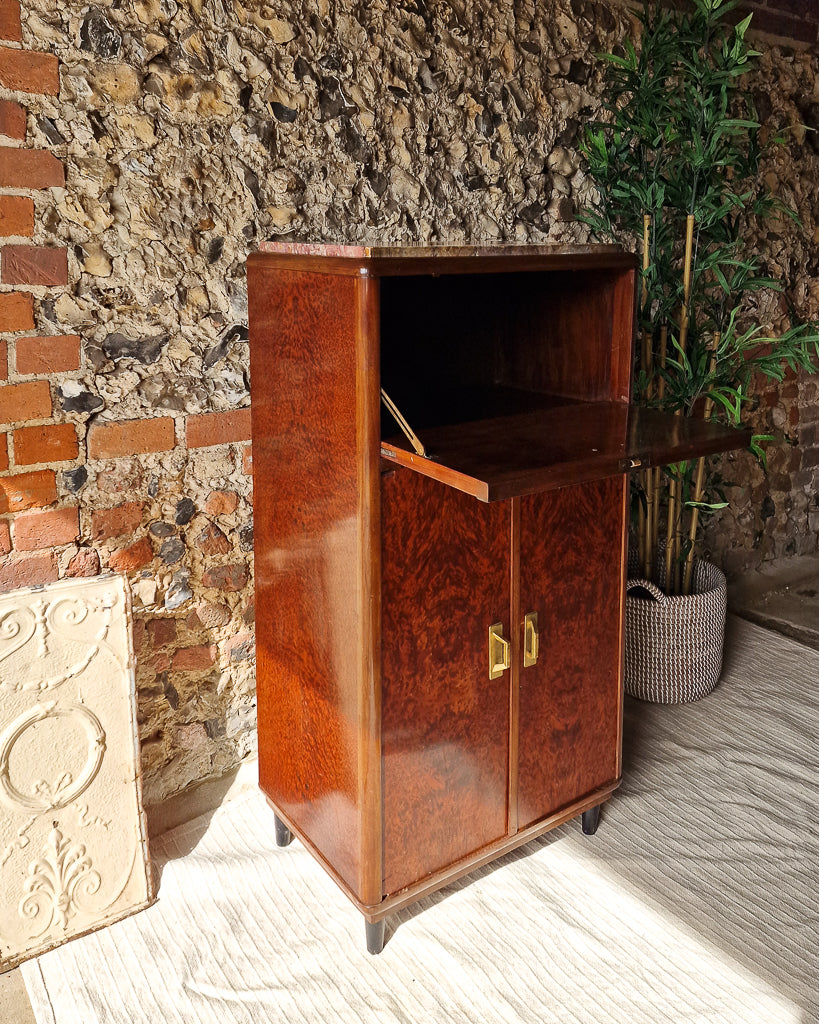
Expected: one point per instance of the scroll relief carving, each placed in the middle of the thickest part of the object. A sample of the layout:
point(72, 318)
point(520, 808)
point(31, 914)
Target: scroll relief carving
point(48, 631)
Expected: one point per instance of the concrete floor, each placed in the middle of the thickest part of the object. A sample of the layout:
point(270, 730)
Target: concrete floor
point(14, 999)
point(782, 596)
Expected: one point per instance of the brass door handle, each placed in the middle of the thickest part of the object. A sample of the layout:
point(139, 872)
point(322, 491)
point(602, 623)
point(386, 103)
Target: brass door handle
point(531, 640)
point(499, 651)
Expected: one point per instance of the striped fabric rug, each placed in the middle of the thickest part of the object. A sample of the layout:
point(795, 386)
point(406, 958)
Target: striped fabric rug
point(695, 902)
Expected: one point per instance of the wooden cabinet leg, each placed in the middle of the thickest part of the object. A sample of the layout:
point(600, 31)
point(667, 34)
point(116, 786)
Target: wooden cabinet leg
point(284, 836)
point(590, 819)
point(375, 936)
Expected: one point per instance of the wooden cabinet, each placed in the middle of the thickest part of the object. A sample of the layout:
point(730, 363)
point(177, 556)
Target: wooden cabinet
point(385, 742)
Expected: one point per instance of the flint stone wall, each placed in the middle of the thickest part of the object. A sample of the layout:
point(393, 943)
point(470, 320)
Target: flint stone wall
point(189, 132)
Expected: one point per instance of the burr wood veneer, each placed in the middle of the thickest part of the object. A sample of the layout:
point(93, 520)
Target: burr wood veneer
point(384, 744)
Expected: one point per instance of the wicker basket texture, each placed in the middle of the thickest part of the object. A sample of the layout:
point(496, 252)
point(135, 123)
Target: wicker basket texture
point(674, 644)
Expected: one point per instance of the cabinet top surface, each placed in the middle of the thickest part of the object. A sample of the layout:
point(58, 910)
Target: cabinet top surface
point(388, 260)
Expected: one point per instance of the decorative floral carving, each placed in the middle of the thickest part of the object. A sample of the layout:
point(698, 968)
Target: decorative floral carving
point(73, 851)
point(59, 884)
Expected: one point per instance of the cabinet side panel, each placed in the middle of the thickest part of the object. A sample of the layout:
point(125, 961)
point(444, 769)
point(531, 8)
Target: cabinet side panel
point(571, 699)
point(308, 543)
point(445, 581)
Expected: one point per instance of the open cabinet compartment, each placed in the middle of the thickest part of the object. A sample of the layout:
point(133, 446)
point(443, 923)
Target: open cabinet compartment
point(400, 738)
point(518, 383)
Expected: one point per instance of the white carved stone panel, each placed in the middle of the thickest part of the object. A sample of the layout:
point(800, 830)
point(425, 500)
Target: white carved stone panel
point(73, 847)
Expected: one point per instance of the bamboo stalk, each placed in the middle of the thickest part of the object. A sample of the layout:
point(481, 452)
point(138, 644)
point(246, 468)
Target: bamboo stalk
point(644, 517)
point(669, 535)
point(673, 559)
point(689, 252)
point(646, 350)
point(699, 481)
point(655, 513)
point(648, 486)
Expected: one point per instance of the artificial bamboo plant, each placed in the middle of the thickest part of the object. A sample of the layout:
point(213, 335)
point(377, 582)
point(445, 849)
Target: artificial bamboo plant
point(676, 162)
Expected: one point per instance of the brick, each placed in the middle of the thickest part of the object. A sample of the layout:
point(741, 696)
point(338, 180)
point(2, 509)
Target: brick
point(194, 659)
point(247, 460)
point(191, 736)
point(209, 615)
point(115, 522)
point(16, 216)
point(130, 437)
point(4, 360)
point(229, 578)
point(28, 490)
point(10, 27)
point(86, 562)
point(47, 354)
point(810, 459)
point(5, 537)
point(240, 647)
point(211, 541)
point(12, 120)
point(160, 663)
point(53, 442)
point(162, 632)
point(28, 571)
point(34, 265)
point(133, 557)
point(800, 8)
point(30, 168)
point(28, 401)
point(784, 26)
point(218, 428)
point(4, 453)
point(29, 71)
point(36, 530)
point(16, 312)
point(221, 503)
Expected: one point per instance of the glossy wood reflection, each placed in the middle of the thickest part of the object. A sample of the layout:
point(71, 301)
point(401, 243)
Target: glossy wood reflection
point(445, 580)
point(571, 700)
point(558, 444)
point(310, 548)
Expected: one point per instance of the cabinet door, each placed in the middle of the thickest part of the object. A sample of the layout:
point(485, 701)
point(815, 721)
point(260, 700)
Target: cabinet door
point(571, 571)
point(445, 580)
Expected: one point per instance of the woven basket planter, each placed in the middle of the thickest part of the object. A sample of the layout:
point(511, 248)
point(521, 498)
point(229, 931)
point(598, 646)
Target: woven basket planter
point(674, 644)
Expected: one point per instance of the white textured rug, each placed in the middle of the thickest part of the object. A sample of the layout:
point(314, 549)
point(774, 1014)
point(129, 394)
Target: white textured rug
point(695, 902)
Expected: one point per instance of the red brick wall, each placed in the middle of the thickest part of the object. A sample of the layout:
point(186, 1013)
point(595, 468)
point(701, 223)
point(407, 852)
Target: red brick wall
point(39, 522)
point(30, 436)
point(795, 20)
point(788, 19)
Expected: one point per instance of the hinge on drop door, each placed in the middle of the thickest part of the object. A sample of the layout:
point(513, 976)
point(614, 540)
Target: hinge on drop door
point(406, 429)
